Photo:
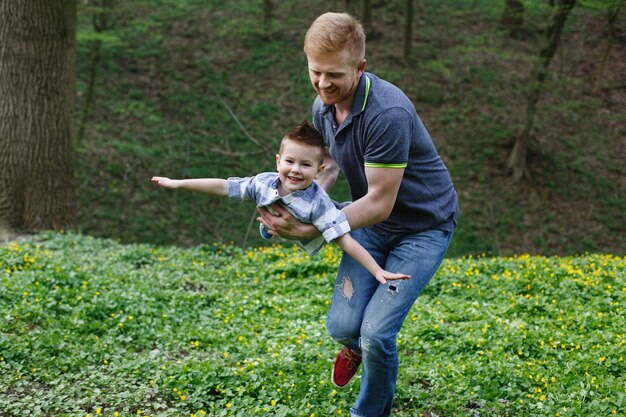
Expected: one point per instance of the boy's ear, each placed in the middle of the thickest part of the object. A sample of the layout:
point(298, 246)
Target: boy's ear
point(319, 170)
point(277, 160)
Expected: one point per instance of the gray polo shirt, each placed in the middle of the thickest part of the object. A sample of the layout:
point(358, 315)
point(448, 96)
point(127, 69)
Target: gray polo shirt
point(384, 130)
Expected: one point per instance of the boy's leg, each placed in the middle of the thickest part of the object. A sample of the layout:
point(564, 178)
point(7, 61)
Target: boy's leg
point(265, 234)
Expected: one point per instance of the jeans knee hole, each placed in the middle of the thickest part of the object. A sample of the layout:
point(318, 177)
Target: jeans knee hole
point(346, 288)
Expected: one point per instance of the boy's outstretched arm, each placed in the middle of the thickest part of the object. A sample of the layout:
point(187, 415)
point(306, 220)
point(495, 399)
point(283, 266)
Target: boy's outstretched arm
point(358, 252)
point(212, 186)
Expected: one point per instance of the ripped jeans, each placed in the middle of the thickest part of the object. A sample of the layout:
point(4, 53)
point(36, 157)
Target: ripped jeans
point(366, 316)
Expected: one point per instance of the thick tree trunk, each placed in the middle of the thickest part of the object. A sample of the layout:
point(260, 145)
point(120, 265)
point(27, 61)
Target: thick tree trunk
point(37, 93)
point(516, 164)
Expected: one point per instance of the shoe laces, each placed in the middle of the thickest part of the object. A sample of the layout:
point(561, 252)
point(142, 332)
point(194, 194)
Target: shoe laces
point(353, 359)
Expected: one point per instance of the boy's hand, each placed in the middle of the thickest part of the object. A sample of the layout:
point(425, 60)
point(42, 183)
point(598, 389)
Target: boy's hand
point(383, 276)
point(166, 182)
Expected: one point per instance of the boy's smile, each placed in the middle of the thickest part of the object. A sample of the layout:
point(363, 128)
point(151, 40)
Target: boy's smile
point(297, 165)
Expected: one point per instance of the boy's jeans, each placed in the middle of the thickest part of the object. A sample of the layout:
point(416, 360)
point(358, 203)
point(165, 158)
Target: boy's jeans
point(366, 316)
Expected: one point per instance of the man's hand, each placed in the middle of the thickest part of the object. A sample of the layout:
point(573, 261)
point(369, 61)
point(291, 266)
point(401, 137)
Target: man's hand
point(284, 225)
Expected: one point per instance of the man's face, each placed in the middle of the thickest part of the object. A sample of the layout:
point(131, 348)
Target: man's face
point(335, 76)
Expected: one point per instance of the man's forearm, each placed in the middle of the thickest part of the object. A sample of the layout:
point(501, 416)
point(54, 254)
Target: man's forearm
point(375, 206)
point(365, 212)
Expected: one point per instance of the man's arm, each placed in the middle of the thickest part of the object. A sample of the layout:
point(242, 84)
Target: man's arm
point(212, 186)
point(330, 173)
point(375, 206)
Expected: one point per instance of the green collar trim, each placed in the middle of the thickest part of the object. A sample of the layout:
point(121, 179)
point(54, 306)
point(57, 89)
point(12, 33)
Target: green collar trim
point(367, 91)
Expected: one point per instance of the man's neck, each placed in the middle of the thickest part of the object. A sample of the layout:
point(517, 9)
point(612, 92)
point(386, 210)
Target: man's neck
point(342, 110)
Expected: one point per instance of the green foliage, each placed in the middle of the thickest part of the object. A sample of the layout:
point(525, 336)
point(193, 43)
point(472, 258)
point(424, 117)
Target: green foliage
point(186, 88)
point(602, 5)
point(93, 327)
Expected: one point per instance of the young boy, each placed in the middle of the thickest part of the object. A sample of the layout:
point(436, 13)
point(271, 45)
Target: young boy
point(299, 162)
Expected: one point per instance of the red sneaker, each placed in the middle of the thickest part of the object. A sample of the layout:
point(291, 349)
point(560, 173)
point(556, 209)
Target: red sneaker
point(346, 364)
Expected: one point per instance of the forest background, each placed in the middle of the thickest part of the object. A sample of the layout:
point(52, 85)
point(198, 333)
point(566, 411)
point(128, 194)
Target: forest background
point(193, 88)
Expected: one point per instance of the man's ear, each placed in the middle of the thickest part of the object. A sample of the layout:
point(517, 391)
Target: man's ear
point(361, 66)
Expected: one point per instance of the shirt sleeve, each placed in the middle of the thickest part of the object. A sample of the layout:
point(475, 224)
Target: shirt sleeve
point(329, 220)
point(241, 188)
point(388, 140)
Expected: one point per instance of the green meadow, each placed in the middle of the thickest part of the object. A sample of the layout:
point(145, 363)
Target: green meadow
point(93, 327)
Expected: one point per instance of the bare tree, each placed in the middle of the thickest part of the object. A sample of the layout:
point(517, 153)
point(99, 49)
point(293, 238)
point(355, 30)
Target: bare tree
point(366, 15)
point(268, 12)
point(408, 28)
point(349, 6)
point(102, 10)
point(37, 93)
point(611, 16)
point(513, 16)
point(516, 164)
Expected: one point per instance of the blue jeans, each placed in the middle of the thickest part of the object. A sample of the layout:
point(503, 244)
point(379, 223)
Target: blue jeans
point(366, 316)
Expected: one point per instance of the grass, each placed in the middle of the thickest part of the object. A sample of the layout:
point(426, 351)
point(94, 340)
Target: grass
point(94, 327)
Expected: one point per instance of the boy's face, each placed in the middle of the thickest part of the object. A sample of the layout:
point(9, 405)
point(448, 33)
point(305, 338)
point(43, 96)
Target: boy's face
point(298, 165)
point(335, 76)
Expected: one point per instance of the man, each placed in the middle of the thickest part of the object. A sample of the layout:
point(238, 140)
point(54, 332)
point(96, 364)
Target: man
point(403, 211)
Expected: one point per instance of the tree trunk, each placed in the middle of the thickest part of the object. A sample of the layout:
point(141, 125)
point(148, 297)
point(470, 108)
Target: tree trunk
point(366, 16)
point(611, 17)
point(513, 16)
point(408, 29)
point(516, 164)
point(101, 23)
point(268, 12)
point(37, 93)
point(349, 7)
